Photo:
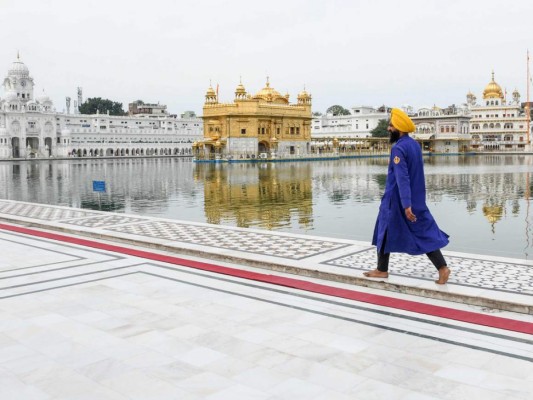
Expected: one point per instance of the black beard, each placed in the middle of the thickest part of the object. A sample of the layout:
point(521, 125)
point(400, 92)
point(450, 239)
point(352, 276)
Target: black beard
point(394, 136)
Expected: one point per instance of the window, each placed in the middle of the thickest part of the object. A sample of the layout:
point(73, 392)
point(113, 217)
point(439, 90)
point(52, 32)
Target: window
point(243, 131)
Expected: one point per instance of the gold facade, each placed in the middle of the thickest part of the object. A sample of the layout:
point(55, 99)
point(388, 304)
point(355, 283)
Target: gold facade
point(264, 124)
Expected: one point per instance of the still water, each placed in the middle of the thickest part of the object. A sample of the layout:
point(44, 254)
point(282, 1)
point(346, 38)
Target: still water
point(482, 202)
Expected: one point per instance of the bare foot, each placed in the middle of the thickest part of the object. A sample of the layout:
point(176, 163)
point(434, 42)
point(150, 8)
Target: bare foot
point(444, 274)
point(376, 274)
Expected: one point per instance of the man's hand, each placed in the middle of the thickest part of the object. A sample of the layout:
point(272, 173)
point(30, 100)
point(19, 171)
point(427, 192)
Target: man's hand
point(409, 214)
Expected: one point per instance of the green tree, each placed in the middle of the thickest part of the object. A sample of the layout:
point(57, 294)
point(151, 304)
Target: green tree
point(94, 104)
point(337, 110)
point(317, 114)
point(381, 129)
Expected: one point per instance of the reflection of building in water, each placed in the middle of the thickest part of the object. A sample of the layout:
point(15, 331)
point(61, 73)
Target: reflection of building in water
point(350, 179)
point(498, 194)
point(263, 123)
point(265, 196)
point(493, 213)
point(133, 185)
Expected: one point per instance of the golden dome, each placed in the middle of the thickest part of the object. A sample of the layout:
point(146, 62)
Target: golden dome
point(210, 91)
point(271, 95)
point(303, 95)
point(240, 88)
point(493, 90)
point(493, 213)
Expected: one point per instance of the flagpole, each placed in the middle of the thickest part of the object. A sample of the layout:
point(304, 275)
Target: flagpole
point(528, 108)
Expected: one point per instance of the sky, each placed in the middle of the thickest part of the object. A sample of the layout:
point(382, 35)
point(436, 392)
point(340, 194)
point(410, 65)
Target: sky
point(351, 53)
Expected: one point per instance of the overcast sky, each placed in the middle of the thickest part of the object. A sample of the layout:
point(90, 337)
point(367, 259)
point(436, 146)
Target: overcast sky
point(345, 52)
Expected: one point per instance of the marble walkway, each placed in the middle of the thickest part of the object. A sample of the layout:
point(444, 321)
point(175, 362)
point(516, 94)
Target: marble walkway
point(94, 306)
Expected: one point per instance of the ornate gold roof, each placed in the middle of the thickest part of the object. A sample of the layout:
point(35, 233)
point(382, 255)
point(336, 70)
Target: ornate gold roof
point(304, 94)
point(493, 90)
point(240, 89)
point(271, 95)
point(210, 91)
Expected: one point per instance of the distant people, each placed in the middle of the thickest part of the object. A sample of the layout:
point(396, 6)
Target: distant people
point(404, 223)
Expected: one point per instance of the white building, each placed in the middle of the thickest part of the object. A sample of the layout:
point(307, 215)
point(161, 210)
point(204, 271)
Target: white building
point(31, 127)
point(358, 124)
point(443, 130)
point(495, 124)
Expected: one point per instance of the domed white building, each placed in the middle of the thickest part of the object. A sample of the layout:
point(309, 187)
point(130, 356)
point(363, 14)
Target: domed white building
point(30, 127)
point(497, 125)
point(27, 125)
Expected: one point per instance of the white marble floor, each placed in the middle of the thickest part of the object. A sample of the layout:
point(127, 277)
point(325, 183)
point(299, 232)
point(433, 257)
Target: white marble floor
point(80, 323)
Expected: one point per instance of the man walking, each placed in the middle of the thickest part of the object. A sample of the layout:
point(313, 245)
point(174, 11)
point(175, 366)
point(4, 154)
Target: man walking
point(404, 223)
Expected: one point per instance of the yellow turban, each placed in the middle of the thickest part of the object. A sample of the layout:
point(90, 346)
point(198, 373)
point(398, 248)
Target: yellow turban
point(401, 121)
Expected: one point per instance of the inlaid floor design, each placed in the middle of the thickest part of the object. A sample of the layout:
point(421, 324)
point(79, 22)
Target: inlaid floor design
point(229, 239)
point(110, 326)
point(249, 241)
point(467, 272)
point(38, 211)
point(486, 274)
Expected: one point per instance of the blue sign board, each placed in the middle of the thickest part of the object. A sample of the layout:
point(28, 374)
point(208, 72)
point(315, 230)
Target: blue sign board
point(98, 186)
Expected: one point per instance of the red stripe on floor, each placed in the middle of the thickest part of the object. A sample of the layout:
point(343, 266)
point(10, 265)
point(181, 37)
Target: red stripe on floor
point(406, 305)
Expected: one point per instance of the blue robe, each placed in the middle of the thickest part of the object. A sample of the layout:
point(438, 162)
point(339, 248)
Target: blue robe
point(406, 187)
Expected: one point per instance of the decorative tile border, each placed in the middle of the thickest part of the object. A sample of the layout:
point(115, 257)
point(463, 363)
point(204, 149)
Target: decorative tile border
point(294, 248)
point(37, 211)
point(487, 274)
point(99, 221)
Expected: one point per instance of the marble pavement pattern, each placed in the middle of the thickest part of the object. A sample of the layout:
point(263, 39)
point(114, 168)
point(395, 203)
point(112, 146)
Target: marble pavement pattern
point(478, 276)
point(83, 323)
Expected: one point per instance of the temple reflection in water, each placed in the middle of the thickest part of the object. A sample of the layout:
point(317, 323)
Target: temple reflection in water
point(493, 184)
point(268, 195)
point(481, 201)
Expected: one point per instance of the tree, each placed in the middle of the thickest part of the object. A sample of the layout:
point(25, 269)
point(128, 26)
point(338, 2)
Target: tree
point(381, 129)
point(317, 114)
point(94, 104)
point(337, 110)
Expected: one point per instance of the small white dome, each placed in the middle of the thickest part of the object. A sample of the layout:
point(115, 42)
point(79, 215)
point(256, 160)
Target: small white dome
point(43, 98)
point(18, 68)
